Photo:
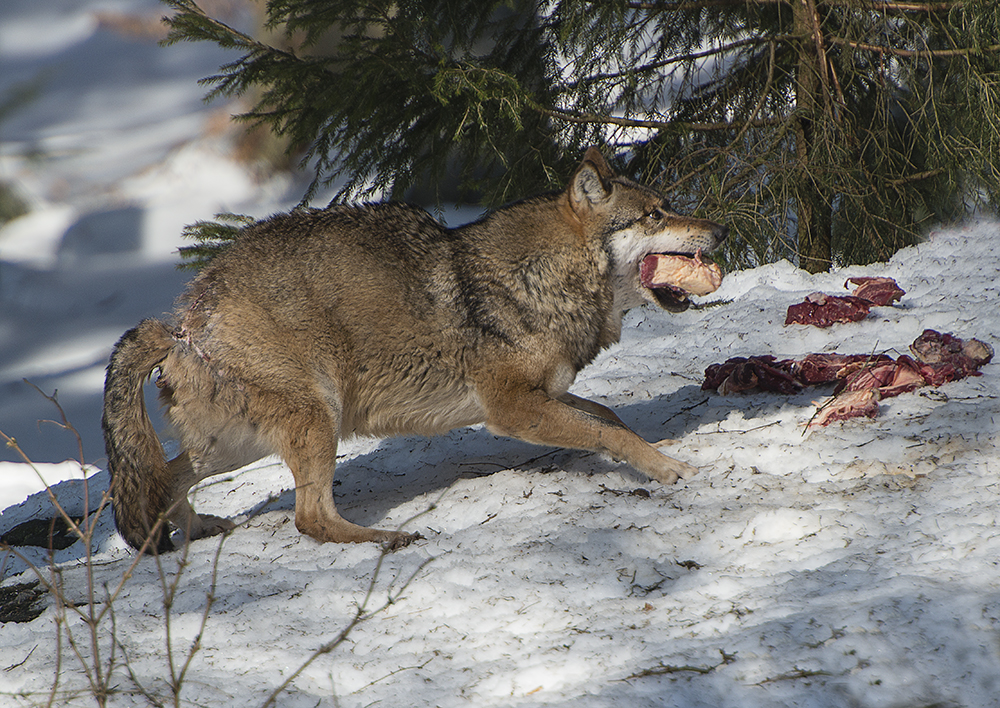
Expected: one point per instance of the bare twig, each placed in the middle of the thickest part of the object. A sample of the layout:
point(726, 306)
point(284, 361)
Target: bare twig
point(98, 667)
point(793, 675)
point(362, 614)
point(666, 669)
point(22, 661)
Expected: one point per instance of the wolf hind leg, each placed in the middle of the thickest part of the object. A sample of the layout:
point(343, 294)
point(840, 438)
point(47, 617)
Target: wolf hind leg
point(214, 442)
point(307, 440)
point(181, 514)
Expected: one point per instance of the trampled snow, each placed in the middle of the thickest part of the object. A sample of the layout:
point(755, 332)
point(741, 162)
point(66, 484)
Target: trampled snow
point(853, 565)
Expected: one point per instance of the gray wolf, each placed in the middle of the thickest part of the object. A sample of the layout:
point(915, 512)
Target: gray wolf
point(321, 324)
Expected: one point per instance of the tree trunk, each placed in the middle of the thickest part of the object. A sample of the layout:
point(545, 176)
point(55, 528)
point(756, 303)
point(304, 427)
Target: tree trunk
point(813, 208)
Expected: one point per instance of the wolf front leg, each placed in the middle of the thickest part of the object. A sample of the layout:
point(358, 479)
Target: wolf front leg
point(530, 414)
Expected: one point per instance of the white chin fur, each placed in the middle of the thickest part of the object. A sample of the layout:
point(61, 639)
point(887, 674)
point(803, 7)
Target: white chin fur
point(628, 247)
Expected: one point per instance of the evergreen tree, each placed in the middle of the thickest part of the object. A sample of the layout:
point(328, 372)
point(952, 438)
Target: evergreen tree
point(821, 130)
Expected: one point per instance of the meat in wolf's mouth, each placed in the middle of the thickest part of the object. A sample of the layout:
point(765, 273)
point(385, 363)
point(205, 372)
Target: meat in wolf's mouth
point(673, 276)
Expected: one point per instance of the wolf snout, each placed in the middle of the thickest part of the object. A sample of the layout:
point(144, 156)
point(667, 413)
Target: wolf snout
point(720, 232)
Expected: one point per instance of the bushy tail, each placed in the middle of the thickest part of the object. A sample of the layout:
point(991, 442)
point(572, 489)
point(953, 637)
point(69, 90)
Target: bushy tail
point(140, 482)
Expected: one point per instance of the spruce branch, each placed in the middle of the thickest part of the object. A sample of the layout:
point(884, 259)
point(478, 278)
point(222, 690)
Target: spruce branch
point(883, 6)
point(917, 53)
point(191, 23)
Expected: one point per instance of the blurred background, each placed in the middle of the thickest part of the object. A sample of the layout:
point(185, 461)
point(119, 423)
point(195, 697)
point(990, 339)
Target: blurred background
point(107, 149)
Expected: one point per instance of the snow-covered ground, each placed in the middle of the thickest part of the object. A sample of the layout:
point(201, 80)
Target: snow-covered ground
point(854, 565)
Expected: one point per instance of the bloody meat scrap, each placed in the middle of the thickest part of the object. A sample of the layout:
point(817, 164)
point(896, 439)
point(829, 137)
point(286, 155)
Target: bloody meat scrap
point(878, 291)
point(966, 356)
point(691, 275)
point(823, 310)
point(862, 379)
point(825, 368)
point(851, 404)
point(767, 373)
point(891, 378)
point(761, 373)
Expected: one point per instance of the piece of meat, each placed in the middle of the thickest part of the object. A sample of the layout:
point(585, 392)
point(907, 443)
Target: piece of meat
point(932, 347)
point(823, 310)
point(692, 275)
point(742, 377)
point(891, 378)
point(824, 368)
point(945, 357)
point(715, 374)
point(763, 373)
point(864, 379)
point(850, 404)
point(878, 291)
point(978, 351)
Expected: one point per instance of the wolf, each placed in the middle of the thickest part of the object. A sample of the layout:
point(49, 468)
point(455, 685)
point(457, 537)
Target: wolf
point(377, 320)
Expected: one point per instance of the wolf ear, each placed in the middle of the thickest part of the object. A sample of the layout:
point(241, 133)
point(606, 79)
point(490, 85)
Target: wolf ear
point(594, 156)
point(589, 185)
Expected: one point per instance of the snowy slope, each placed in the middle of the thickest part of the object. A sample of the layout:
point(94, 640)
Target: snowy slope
point(854, 565)
point(849, 565)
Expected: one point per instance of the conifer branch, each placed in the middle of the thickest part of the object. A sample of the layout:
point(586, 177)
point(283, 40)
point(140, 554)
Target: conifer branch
point(742, 131)
point(926, 174)
point(883, 6)
point(594, 119)
point(721, 49)
point(916, 53)
point(192, 23)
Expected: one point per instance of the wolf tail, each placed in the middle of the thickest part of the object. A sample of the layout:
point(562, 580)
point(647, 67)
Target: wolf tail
point(140, 480)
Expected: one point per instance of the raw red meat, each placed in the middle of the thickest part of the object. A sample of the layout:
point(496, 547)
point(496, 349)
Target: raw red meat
point(824, 368)
point(852, 404)
point(890, 377)
point(823, 310)
point(878, 291)
point(933, 348)
point(690, 275)
point(863, 379)
point(763, 373)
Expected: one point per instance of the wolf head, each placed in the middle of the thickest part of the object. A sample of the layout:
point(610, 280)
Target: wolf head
point(634, 222)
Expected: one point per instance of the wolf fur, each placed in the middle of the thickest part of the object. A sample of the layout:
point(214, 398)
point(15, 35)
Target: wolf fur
point(321, 324)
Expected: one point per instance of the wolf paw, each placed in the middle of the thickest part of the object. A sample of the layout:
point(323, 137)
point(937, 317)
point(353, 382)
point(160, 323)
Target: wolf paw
point(399, 540)
point(668, 470)
point(208, 525)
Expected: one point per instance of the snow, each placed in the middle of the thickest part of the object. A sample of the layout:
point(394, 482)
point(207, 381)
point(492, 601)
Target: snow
point(854, 565)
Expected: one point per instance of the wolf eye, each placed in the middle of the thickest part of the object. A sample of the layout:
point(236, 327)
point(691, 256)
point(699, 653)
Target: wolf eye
point(655, 214)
